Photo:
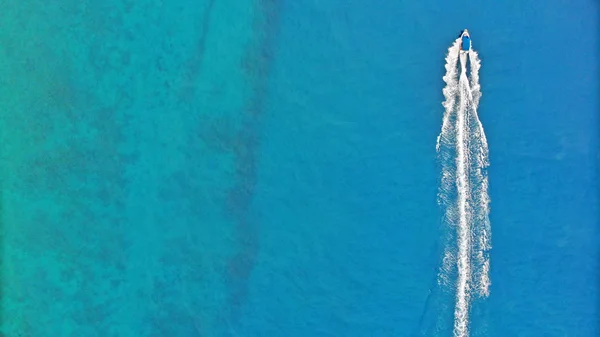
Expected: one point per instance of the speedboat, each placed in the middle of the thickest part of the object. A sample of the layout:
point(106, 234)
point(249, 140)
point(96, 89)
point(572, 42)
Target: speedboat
point(465, 44)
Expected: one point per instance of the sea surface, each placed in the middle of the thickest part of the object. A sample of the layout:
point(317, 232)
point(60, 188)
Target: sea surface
point(268, 167)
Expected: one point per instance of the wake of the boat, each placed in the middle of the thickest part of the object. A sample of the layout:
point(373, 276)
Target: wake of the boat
point(463, 153)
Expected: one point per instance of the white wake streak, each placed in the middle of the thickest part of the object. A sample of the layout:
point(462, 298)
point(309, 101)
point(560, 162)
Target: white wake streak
point(461, 313)
point(463, 151)
point(444, 147)
point(480, 152)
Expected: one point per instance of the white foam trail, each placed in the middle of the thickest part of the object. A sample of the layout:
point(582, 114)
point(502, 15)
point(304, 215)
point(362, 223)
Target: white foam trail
point(479, 148)
point(444, 147)
point(463, 151)
point(461, 313)
point(475, 64)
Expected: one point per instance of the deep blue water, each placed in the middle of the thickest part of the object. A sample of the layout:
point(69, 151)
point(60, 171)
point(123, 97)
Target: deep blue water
point(268, 168)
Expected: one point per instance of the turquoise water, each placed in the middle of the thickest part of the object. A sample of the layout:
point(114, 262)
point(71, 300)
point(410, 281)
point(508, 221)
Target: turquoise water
point(268, 168)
